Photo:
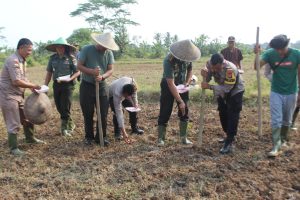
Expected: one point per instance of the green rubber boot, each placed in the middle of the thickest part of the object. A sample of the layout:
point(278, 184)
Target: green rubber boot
point(64, 128)
point(276, 137)
point(294, 126)
point(29, 135)
point(183, 126)
point(161, 135)
point(70, 125)
point(13, 145)
point(285, 130)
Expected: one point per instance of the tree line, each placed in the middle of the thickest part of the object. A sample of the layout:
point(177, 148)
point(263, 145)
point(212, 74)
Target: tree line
point(134, 48)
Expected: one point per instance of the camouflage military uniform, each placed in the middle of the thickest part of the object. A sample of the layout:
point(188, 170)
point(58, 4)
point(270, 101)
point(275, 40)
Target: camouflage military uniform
point(63, 91)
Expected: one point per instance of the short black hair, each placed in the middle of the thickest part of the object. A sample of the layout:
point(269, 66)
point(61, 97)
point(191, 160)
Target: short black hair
point(216, 59)
point(24, 42)
point(129, 89)
point(279, 42)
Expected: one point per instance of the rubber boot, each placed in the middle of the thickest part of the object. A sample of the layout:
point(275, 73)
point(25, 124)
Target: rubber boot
point(285, 135)
point(276, 137)
point(29, 137)
point(294, 127)
point(183, 126)
point(70, 125)
point(161, 135)
point(64, 128)
point(13, 145)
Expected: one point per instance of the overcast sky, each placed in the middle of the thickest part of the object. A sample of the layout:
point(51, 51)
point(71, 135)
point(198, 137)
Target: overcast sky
point(43, 20)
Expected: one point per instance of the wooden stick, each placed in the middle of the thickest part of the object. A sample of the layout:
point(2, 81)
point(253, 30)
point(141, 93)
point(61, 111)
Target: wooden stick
point(202, 112)
point(99, 115)
point(257, 66)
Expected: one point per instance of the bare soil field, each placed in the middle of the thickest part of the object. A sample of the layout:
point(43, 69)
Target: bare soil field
point(65, 168)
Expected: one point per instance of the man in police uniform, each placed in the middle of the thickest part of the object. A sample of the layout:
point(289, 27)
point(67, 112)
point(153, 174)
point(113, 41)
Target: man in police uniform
point(96, 64)
point(13, 82)
point(177, 70)
point(229, 92)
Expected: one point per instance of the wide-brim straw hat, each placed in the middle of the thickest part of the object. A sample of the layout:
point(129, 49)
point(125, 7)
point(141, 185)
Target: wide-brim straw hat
point(106, 40)
point(37, 108)
point(185, 50)
point(60, 41)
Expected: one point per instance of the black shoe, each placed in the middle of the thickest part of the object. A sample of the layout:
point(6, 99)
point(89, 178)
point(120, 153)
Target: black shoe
point(221, 140)
point(88, 141)
point(137, 131)
point(227, 148)
point(106, 142)
point(118, 137)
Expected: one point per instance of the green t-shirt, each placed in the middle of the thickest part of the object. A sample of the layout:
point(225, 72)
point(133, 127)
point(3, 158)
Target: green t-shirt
point(285, 77)
point(176, 69)
point(63, 66)
point(92, 58)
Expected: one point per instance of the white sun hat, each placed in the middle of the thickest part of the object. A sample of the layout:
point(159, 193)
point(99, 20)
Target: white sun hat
point(185, 50)
point(106, 40)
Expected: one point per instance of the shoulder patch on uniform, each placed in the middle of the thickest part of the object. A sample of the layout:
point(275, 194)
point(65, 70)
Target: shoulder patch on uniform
point(16, 63)
point(230, 77)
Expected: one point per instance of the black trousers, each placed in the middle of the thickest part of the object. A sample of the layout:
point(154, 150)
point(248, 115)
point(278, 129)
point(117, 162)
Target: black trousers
point(166, 105)
point(229, 111)
point(132, 115)
point(63, 93)
point(88, 104)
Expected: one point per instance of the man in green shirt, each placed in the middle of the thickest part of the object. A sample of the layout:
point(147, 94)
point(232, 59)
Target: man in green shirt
point(96, 64)
point(285, 63)
point(177, 71)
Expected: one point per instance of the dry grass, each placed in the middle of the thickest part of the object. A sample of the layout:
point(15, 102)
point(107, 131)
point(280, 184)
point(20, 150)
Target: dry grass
point(67, 169)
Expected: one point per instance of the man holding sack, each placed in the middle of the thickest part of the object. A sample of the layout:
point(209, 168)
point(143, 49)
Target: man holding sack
point(13, 82)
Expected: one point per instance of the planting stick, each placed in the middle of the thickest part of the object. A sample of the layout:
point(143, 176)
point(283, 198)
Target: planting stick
point(202, 112)
point(99, 115)
point(259, 105)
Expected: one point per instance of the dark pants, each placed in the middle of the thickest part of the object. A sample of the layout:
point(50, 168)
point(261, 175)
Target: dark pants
point(132, 115)
point(229, 111)
point(63, 93)
point(88, 103)
point(166, 105)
